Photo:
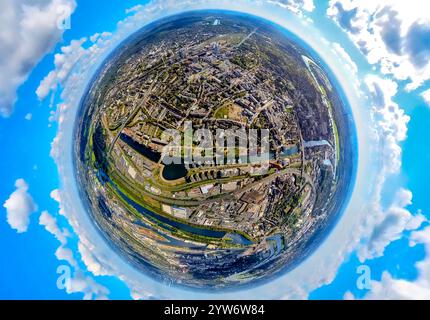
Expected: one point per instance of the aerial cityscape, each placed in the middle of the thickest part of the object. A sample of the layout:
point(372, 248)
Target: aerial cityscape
point(218, 156)
point(241, 209)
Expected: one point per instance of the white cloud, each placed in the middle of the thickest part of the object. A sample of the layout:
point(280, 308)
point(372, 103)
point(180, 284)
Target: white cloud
point(394, 35)
point(395, 221)
point(65, 254)
point(296, 6)
point(28, 31)
point(419, 289)
point(85, 247)
point(28, 116)
point(63, 62)
point(55, 146)
point(68, 58)
point(91, 261)
point(345, 59)
point(50, 224)
point(79, 282)
point(19, 207)
point(340, 51)
point(391, 121)
point(426, 96)
point(134, 9)
point(379, 227)
point(390, 288)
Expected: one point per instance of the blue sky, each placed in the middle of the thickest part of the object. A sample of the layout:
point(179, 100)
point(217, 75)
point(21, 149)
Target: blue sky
point(383, 84)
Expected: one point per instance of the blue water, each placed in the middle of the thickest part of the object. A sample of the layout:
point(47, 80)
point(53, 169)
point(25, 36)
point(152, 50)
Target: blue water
point(286, 152)
point(173, 223)
point(143, 150)
point(237, 238)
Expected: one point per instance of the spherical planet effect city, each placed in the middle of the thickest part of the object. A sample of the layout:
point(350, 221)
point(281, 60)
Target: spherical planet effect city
point(235, 211)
